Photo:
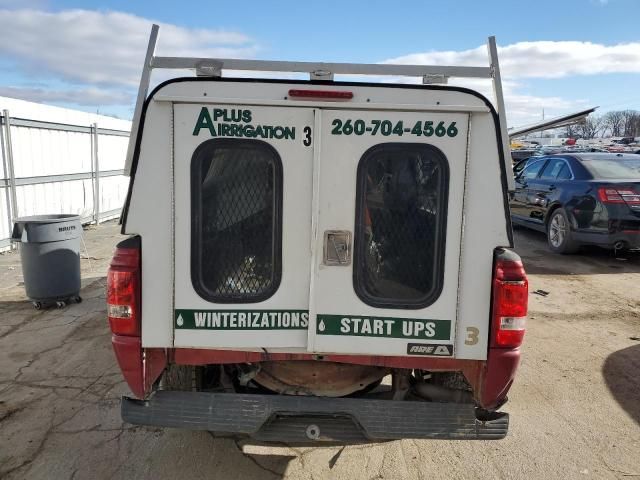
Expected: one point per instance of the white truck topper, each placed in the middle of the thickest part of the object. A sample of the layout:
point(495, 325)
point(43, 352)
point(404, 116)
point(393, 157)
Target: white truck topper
point(324, 143)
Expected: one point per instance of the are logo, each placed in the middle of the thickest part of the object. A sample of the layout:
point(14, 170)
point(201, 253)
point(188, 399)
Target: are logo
point(432, 349)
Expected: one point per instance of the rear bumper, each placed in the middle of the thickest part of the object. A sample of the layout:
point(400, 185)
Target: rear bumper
point(630, 239)
point(275, 418)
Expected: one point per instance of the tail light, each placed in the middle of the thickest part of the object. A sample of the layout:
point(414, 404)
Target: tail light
point(618, 195)
point(123, 289)
point(510, 300)
point(141, 367)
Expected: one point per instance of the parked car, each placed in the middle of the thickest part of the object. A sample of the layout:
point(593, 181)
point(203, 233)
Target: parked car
point(522, 164)
point(593, 148)
point(617, 148)
point(623, 140)
point(521, 154)
point(525, 153)
point(579, 199)
point(547, 150)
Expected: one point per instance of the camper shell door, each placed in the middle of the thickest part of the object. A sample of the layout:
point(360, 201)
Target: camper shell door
point(242, 225)
point(390, 190)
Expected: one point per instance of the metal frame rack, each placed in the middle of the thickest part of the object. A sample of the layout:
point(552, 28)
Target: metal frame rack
point(321, 71)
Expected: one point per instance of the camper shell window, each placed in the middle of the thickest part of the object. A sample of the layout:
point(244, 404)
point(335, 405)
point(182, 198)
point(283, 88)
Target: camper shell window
point(401, 214)
point(236, 204)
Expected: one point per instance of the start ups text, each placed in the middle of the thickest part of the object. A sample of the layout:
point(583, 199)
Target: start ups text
point(223, 122)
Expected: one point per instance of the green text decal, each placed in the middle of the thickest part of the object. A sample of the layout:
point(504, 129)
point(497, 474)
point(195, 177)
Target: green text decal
point(387, 128)
point(241, 319)
point(222, 122)
point(383, 327)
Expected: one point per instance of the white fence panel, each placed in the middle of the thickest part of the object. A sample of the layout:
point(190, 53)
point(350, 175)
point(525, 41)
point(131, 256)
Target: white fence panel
point(39, 152)
point(112, 151)
point(5, 231)
point(74, 196)
point(54, 167)
point(113, 191)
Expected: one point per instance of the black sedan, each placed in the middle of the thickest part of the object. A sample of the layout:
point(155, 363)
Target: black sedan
point(580, 199)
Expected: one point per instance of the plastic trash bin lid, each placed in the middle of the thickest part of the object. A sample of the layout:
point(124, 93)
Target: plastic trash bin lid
point(46, 228)
point(54, 218)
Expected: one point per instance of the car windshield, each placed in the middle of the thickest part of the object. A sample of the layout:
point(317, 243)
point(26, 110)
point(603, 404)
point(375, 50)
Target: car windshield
point(625, 169)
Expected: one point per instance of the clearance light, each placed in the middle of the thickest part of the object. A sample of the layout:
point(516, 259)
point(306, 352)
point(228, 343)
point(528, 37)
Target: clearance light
point(320, 94)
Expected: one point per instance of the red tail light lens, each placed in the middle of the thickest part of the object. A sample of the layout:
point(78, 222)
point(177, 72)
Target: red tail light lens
point(321, 94)
point(618, 195)
point(123, 292)
point(510, 301)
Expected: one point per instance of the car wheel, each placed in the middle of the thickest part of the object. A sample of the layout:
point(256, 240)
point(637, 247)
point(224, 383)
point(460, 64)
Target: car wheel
point(559, 233)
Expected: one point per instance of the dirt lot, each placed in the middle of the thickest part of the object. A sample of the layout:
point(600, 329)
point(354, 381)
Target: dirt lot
point(575, 407)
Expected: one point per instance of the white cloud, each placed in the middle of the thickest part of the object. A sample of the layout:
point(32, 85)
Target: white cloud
point(543, 59)
point(104, 48)
point(521, 108)
point(524, 108)
point(530, 60)
point(84, 96)
point(97, 57)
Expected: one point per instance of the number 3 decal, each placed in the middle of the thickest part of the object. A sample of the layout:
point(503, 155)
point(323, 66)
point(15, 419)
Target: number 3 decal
point(307, 136)
point(472, 336)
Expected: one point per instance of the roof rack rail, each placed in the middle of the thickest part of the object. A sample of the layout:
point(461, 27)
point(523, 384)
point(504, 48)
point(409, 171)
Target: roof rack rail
point(320, 71)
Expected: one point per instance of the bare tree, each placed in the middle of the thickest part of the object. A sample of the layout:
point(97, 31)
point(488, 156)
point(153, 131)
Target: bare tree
point(614, 121)
point(590, 127)
point(572, 131)
point(636, 125)
point(631, 122)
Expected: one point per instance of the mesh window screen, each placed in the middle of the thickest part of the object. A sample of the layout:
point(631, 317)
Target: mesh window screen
point(236, 201)
point(401, 225)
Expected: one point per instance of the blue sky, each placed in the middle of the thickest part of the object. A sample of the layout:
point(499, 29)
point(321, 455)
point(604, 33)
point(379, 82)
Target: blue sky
point(557, 55)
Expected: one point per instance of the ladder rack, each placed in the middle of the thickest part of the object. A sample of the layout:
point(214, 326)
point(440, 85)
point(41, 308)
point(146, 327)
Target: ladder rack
point(213, 67)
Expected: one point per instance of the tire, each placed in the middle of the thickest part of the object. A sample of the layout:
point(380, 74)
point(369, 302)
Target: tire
point(559, 237)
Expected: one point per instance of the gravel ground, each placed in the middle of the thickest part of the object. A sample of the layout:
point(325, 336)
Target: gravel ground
point(575, 406)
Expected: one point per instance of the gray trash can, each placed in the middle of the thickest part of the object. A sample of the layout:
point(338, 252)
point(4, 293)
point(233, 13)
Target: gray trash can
point(50, 254)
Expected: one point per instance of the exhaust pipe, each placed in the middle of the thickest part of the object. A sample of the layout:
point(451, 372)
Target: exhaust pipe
point(619, 245)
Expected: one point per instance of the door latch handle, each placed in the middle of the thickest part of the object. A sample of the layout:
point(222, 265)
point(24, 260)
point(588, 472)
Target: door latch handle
point(337, 247)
